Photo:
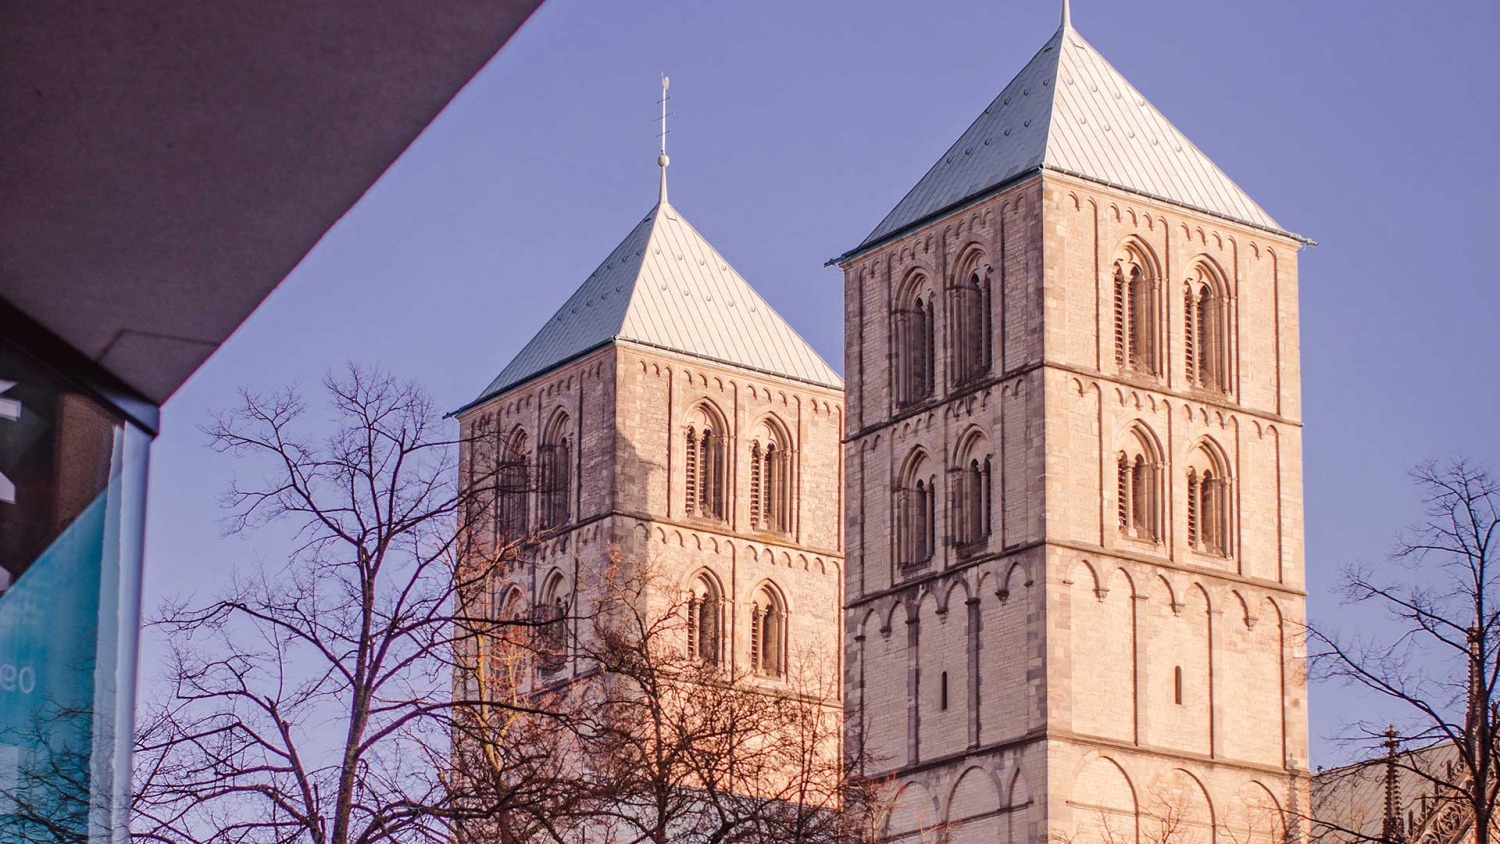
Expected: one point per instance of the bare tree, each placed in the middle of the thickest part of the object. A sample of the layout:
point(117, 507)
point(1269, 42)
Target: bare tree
point(668, 746)
point(313, 701)
point(1437, 665)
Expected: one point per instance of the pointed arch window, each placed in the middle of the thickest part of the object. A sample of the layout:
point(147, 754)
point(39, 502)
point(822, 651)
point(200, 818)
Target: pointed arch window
point(550, 623)
point(555, 474)
point(1136, 305)
point(513, 486)
point(705, 464)
point(768, 641)
point(913, 333)
point(1138, 467)
point(1205, 309)
point(771, 479)
point(1209, 512)
point(971, 495)
point(705, 608)
point(916, 512)
point(971, 333)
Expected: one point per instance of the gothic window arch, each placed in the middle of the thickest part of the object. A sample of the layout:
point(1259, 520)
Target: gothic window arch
point(512, 488)
point(971, 493)
point(705, 467)
point(768, 632)
point(772, 462)
point(1137, 304)
point(1205, 316)
point(550, 622)
point(970, 338)
point(1210, 515)
point(705, 619)
point(913, 329)
point(1138, 485)
point(555, 473)
point(916, 512)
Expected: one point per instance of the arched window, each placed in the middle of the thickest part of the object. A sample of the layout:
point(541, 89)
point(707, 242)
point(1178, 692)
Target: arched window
point(913, 334)
point(513, 486)
point(916, 498)
point(1205, 318)
point(1138, 487)
point(768, 633)
point(1209, 513)
point(770, 478)
point(707, 442)
point(970, 296)
point(705, 612)
point(550, 620)
point(555, 473)
point(1137, 303)
point(972, 494)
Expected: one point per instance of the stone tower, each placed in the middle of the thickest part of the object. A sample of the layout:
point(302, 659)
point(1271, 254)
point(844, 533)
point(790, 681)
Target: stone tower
point(1075, 482)
point(667, 414)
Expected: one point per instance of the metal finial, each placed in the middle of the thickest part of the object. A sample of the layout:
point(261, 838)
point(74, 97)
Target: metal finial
point(1067, 14)
point(662, 161)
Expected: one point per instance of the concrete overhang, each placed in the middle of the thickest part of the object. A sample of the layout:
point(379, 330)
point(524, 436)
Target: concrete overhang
point(165, 164)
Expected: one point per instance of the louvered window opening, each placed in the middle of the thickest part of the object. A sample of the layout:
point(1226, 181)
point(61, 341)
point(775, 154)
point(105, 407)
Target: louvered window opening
point(554, 483)
point(915, 527)
point(770, 487)
point(914, 354)
point(1139, 500)
point(512, 490)
point(1208, 513)
point(972, 494)
point(1135, 322)
point(767, 638)
point(703, 634)
point(550, 622)
point(1206, 354)
point(972, 343)
point(704, 487)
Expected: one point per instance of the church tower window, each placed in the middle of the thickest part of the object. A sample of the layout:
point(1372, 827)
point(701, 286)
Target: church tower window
point(1205, 343)
point(1208, 502)
point(1137, 294)
point(913, 332)
point(705, 607)
point(770, 478)
point(1138, 487)
point(551, 625)
point(704, 487)
point(915, 514)
point(971, 343)
point(555, 473)
point(513, 486)
point(768, 633)
point(972, 494)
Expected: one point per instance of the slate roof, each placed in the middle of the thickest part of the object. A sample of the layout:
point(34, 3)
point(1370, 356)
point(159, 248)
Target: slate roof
point(665, 286)
point(1070, 111)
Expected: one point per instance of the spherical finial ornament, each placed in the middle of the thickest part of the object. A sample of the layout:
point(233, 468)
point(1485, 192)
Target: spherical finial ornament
point(662, 161)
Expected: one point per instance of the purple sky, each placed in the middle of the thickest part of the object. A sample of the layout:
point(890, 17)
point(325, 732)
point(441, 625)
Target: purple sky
point(1367, 125)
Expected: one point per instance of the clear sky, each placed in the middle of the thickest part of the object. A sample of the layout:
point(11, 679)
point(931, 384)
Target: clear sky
point(1367, 125)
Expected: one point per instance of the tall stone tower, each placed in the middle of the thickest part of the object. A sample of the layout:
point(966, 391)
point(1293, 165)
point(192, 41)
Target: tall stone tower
point(668, 415)
point(1075, 482)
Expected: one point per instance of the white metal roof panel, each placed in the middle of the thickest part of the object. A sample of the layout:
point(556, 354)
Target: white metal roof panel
point(665, 286)
point(1069, 110)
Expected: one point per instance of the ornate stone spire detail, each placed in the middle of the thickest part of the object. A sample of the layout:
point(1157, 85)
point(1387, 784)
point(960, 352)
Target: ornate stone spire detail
point(1393, 831)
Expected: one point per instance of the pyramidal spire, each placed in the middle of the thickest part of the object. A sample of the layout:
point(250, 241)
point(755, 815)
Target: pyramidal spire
point(662, 160)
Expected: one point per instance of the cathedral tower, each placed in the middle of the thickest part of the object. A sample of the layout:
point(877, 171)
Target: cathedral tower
point(667, 414)
point(1074, 478)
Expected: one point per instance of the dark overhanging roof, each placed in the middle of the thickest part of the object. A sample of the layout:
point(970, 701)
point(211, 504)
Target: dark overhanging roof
point(165, 164)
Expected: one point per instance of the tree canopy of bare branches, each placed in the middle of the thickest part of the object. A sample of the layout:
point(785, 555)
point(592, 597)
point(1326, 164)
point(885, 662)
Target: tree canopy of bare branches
point(1433, 658)
point(313, 701)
